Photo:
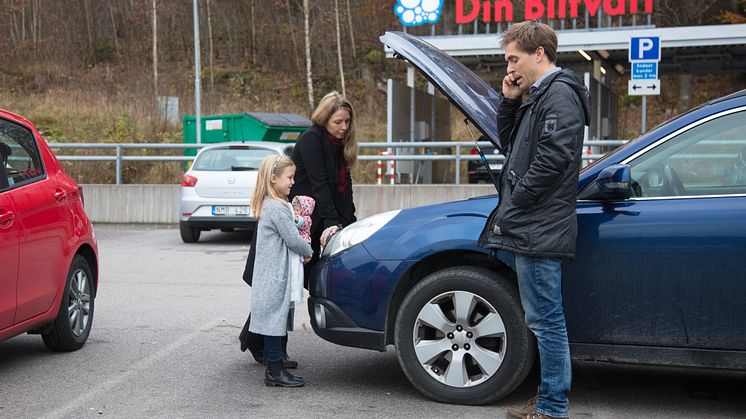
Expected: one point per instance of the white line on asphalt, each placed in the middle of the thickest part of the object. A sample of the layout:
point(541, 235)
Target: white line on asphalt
point(137, 367)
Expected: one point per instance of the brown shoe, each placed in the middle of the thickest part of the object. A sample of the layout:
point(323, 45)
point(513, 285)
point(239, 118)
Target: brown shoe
point(523, 412)
point(534, 415)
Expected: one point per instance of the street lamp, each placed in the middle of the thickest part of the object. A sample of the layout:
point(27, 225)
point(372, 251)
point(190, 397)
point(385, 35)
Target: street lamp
point(197, 92)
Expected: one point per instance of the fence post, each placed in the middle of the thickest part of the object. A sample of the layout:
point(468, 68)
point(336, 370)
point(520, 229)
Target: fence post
point(119, 164)
point(458, 164)
point(378, 171)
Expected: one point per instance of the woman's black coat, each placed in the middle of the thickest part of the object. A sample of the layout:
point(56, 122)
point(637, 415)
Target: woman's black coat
point(316, 176)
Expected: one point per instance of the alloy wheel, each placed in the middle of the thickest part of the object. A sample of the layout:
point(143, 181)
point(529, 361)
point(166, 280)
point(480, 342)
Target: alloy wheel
point(459, 339)
point(79, 303)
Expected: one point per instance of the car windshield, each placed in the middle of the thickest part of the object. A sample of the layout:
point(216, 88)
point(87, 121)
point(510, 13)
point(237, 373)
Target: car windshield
point(231, 159)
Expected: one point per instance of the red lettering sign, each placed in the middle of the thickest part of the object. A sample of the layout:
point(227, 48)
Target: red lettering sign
point(502, 10)
point(461, 17)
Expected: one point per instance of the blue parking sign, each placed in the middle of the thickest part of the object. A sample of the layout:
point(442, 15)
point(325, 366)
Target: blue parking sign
point(644, 70)
point(645, 48)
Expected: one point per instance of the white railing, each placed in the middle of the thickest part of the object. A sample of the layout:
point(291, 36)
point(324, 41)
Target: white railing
point(429, 155)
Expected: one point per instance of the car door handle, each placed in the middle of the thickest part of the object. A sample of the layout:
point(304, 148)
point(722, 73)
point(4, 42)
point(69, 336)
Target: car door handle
point(60, 195)
point(6, 219)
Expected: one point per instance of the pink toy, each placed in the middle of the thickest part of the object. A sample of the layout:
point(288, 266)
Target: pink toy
point(303, 208)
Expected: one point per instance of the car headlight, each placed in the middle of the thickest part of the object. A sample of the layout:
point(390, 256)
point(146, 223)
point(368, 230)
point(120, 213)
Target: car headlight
point(357, 232)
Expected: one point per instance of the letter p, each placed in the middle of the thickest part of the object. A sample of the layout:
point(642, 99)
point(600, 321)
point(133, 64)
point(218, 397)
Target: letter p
point(645, 45)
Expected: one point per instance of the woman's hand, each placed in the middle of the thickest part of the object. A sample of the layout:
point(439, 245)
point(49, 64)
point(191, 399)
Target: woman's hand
point(327, 234)
point(307, 259)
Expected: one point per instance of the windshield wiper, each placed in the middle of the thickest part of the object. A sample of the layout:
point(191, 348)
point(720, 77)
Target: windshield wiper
point(241, 168)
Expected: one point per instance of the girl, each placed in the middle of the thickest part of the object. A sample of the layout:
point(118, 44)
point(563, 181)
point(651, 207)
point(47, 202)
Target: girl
point(276, 240)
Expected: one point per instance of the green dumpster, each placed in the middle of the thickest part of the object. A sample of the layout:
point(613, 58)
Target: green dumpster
point(250, 126)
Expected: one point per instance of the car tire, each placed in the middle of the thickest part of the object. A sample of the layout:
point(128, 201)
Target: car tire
point(189, 234)
point(72, 326)
point(495, 348)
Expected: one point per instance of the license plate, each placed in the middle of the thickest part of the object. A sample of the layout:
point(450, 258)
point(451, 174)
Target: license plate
point(231, 210)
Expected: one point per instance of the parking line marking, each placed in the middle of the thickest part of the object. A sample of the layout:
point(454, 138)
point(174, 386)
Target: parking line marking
point(136, 367)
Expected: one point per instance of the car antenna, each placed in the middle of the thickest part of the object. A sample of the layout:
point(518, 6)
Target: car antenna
point(481, 154)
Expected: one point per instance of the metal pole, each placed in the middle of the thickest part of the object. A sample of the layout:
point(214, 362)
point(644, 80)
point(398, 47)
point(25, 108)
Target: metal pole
point(197, 90)
point(119, 165)
point(458, 164)
point(644, 111)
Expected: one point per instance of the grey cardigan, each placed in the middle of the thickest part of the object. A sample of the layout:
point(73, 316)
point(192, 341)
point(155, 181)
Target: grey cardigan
point(270, 294)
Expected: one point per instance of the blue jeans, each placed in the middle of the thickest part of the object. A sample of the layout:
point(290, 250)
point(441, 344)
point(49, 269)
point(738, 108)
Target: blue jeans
point(273, 349)
point(540, 286)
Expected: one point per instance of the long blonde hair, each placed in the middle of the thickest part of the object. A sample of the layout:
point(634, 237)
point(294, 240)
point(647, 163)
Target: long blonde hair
point(271, 165)
point(332, 102)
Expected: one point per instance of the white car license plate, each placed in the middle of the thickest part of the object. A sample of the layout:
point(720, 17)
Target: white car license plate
point(231, 210)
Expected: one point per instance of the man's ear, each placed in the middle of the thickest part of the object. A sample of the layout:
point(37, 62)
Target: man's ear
point(539, 54)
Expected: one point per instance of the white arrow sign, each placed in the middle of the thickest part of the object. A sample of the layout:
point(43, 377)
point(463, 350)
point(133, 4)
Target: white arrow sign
point(644, 87)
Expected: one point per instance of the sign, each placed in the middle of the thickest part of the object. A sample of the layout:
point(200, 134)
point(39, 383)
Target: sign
point(418, 12)
point(643, 70)
point(644, 54)
point(644, 87)
point(214, 124)
point(421, 12)
point(645, 48)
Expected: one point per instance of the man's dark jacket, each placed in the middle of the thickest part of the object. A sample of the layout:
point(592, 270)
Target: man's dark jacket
point(542, 138)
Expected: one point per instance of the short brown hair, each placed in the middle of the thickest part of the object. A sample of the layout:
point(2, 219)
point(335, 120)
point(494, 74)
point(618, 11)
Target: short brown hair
point(529, 36)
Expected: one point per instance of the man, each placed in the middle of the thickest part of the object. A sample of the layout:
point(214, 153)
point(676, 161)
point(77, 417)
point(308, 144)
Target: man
point(541, 120)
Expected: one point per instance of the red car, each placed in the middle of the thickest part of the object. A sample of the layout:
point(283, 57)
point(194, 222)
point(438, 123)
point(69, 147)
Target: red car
point(48, 252)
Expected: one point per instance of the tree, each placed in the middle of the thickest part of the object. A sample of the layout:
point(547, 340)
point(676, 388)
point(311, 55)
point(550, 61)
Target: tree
point(210, 50)
point(307, 33)
point(339, 49)
point(114, 30)
point(155, 50)
point(253, 34)
point(292, 35)
point(352, 32)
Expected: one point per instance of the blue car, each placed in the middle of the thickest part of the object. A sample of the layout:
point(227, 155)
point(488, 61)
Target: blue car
point(658, 277)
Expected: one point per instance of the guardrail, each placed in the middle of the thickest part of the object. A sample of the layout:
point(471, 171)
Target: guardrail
point(120, 157)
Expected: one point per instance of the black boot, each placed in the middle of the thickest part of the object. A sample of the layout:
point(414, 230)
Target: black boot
point(288, 363)
point(277, 375)
point(254, 342)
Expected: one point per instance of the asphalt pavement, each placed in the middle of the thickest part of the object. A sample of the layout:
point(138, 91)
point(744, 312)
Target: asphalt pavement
point(165, 344)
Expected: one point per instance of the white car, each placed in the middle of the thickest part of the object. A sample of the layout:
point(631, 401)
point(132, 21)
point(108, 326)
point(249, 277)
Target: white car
point(216, 190)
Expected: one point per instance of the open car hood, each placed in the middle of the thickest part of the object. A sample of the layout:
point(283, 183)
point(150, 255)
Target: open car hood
point(467, 91)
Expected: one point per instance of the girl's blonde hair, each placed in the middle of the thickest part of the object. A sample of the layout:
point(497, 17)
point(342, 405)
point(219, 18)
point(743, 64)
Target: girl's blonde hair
point(271, 165)
point(332, 102)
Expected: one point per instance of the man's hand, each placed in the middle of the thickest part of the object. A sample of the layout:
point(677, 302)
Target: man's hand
point(328, 233)
point(511, 89)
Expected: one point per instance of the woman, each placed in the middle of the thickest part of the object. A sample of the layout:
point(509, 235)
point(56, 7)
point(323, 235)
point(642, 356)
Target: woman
point(323, 157)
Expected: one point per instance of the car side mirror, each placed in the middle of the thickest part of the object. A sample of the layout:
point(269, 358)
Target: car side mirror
point(614, 182)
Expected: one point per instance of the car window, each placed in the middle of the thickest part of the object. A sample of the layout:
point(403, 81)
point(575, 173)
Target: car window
point(19, 156)
point(231, 159)
point(709, 159)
